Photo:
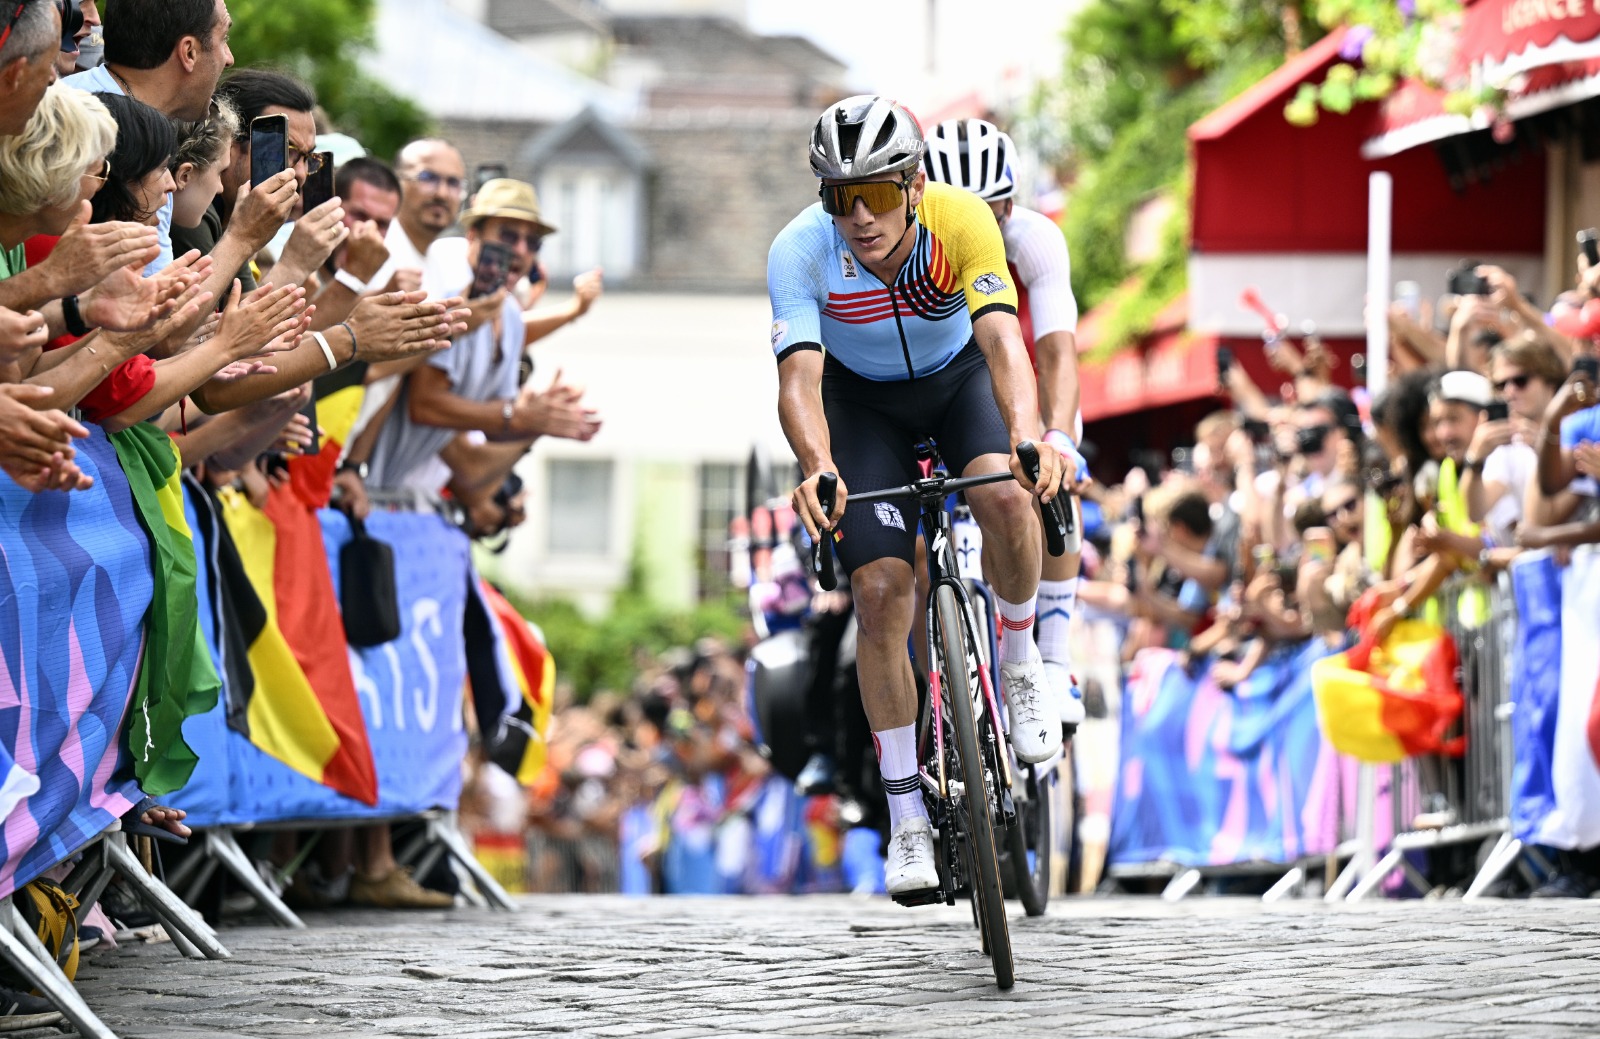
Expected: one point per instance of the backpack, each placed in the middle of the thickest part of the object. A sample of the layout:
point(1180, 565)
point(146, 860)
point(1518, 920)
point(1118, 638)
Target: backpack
point(52, 912)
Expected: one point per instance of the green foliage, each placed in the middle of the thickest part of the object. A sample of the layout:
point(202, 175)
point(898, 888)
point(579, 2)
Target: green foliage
point(1161, 281)
point(610, 652)
point(320, 40)
point(1395, 46)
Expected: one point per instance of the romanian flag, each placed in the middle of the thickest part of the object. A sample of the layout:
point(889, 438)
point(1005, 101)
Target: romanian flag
point(513, 678)
point(1389, 702)
point(301, 706)
point(176, 678)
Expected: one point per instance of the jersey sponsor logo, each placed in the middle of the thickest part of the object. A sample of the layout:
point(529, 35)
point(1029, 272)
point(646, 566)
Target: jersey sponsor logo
point(847, 264)
point(989, 284)
point(889, 516)
point(779, 330)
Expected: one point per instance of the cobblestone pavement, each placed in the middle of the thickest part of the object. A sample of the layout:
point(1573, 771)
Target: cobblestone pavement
point(823, 965)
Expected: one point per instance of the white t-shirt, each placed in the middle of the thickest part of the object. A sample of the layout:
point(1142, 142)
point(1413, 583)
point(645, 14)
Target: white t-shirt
point(1512, 466)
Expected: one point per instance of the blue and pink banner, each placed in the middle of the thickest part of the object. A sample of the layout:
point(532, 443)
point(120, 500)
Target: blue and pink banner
point(1214, 777)
point(74, 591)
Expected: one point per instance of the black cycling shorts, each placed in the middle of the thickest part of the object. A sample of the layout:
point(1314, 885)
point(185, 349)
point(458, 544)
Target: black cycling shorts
point(874, 428)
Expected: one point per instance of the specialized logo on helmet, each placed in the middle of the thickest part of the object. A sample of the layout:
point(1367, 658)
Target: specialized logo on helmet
point(989, 284)
point(889, 516)
point(847, 263)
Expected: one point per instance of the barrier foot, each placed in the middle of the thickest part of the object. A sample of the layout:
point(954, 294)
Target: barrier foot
point(1287, 885)
point(1181, 885)
point(1505, 854)
point(178, 918)
point(222, 846)
point(443, 831)
point(1375, 876)
point(21, 948)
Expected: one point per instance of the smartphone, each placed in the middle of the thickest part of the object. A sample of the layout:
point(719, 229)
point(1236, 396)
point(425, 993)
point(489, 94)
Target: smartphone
point(1497, 411)
point(1257, 430)
point(1224, 364)
point(486, 172)
point(492, 270)
point(1466, 281)
point(269, 147)
point(1319, 544)
point(310, 412)
point(1590, 366)
point(1409, 295)
point(318, 187)
point(1590, 246)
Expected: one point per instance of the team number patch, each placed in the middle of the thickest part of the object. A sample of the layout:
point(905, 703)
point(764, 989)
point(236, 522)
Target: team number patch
point(989, 284)
point(889, 516)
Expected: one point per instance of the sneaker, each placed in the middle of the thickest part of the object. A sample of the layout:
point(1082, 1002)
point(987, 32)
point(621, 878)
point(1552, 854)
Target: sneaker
point(396, 890)
point(1068, 697)
point(1035, 721)
point(1566, 885)
point(19, 1010)
point(910, 864)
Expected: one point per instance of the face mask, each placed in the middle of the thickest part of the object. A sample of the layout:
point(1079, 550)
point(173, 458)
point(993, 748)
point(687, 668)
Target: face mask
point(91, 49)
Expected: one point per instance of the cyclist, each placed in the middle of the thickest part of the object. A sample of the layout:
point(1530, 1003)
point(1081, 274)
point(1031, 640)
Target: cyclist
point(976, 155)
point(894, 318)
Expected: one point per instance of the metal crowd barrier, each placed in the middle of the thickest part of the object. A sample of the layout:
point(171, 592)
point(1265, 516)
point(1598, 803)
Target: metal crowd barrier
point(1477, 786)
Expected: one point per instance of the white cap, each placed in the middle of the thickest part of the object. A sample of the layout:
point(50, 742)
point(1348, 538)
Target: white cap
point(1466, 387)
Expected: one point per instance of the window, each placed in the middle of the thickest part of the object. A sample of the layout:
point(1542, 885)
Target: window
point(580, 507)
point(721, 492)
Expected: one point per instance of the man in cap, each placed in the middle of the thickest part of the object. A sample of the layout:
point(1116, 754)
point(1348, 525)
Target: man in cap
point(475, 384)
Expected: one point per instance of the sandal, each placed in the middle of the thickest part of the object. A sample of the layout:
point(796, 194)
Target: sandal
point(135, 826)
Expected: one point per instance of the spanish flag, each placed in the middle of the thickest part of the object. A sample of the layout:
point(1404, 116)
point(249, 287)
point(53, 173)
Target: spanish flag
point(302, 706)
point(176, 678)
point(1383, 703)
point(512, 676)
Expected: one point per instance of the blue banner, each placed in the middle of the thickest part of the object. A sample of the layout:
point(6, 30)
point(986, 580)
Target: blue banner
point(76, 583)
point(1213, 777)
point(1535, 680)
point(411, 693)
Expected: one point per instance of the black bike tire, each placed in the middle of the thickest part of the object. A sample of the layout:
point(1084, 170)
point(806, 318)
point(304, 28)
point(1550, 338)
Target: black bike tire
point(980, 826)
point(1032, 885)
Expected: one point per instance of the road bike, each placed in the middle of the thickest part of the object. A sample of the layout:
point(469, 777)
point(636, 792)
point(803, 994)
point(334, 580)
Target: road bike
point(968, 775)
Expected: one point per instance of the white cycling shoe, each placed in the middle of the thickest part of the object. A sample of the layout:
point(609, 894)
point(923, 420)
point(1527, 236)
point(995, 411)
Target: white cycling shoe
point(910, 866)
point(1035, 722)
point(1068, 698)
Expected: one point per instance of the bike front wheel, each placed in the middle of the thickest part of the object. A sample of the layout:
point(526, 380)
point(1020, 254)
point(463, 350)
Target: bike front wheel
point(973, 806)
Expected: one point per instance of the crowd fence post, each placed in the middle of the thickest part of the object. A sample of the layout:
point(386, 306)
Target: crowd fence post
point(22, 950)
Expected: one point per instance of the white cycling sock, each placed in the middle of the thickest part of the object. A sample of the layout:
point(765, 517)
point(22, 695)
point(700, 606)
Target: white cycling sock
point(1016, 630)
point(1057, 602)
point(897, 763)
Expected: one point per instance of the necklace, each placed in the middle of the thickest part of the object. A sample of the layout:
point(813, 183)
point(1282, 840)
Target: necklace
point(126, 88)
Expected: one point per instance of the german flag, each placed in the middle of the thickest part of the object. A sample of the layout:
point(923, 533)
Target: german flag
point(512, 676)
point(301, 707)
point(176, 678)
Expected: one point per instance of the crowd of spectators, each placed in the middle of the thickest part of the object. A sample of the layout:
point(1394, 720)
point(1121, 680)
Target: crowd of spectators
point(154, 279)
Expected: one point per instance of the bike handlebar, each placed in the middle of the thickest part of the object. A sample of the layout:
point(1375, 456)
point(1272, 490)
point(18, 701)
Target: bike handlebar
point(1057, 518)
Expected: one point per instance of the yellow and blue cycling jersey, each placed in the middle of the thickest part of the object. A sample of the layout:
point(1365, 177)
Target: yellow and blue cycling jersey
point(825, 298)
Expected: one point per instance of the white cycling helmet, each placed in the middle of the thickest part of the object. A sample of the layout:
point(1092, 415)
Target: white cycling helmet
point(863, 136)
point(973, 154)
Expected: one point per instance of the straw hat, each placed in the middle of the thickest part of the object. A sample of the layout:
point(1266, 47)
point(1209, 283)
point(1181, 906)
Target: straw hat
point(511, 199)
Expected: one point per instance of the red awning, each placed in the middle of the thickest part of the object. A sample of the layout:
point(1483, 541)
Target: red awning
point(1169, 366)
point(1414, 114)
point(1502, 38)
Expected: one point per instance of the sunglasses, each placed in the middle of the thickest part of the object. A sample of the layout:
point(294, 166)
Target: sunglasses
point(312, 160)
point(1519, 381)
point(1343, 508)
point(11, 23)
point(511, 237)
point(428, 178)
point(881, 196)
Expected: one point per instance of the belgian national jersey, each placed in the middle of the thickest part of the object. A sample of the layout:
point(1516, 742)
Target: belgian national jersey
point(825, 298)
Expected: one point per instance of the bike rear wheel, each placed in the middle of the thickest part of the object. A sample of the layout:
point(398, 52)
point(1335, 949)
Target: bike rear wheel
point(1030, 876)
point(989, 902)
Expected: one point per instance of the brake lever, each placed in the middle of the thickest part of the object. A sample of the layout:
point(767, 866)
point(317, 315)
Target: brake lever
point(821, 552)
point(1056, 524)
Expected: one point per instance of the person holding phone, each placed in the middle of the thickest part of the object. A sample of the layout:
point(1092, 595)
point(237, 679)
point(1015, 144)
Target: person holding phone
point(369, 195)
point(474, 385)
point(1571, 419)
point(1501, 462)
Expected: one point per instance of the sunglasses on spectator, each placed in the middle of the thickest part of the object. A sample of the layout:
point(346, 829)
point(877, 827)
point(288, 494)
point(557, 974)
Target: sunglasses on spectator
point(881, 196)
point(1343, 508)
point(428, 178)
point(510, 236)
point(1519, 381)
point(312, 160)
point(11, 23)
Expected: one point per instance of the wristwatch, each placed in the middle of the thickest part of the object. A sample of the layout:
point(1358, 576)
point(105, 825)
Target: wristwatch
point(359, 468)
point(72, 317)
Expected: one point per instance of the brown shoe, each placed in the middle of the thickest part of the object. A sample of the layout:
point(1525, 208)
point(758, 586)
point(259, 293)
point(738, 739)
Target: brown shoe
point(397, 890)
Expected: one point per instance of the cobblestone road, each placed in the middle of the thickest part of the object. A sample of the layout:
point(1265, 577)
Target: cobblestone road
point(835, 966)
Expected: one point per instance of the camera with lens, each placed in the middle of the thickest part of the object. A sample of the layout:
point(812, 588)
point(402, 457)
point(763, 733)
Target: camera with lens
point(1310, 440)
point(1466, 281)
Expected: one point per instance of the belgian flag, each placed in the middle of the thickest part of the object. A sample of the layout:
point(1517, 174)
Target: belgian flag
point(513, 676)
